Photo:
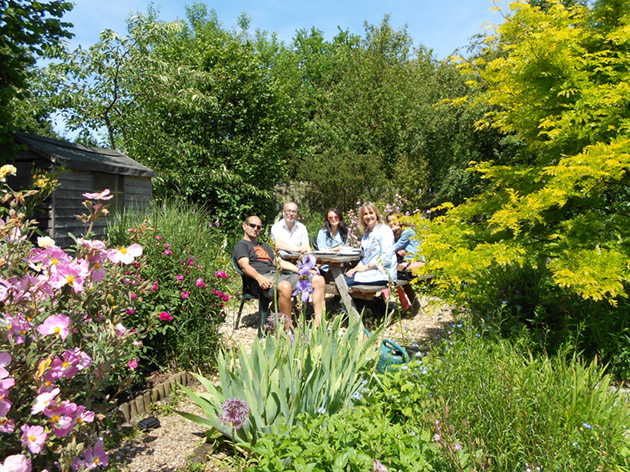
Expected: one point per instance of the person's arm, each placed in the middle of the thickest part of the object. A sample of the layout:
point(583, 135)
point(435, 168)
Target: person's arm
point(403, 241)
point(322, 243)
point(249, 271)
point(386, 240)
point(286, 265)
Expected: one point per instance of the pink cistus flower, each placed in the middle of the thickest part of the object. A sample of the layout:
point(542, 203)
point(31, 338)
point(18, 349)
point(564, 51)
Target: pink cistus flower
point(16, 463)
point(33, 437)
point(126, 255)
point(220, 274)
point(133, 364)
point(104, 195)
point(234, 413)
point(165, 316)
point(55, 324)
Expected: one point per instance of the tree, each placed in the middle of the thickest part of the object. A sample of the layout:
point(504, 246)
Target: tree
point(192, 101)
point(559, 84)
point(28, 29)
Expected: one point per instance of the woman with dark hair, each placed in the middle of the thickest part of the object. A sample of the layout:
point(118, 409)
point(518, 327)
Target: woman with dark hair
point(334, 233)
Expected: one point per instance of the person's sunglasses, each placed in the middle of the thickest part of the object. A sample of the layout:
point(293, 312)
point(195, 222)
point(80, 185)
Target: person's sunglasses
point(332, 218)
point(254, 225)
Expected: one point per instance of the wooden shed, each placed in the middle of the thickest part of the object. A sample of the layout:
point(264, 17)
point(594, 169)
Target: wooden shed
point(84, 169)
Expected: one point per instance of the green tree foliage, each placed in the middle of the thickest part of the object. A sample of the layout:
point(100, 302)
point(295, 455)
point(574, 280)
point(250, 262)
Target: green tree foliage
point(557, 80)
point(27, 29)
point(379, 126)
point(194, 102)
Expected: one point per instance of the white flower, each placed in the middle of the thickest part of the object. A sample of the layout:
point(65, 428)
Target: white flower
point(45, 241)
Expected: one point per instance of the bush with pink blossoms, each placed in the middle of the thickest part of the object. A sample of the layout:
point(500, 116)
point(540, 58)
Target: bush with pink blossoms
point(181, 312)
point(63, 343)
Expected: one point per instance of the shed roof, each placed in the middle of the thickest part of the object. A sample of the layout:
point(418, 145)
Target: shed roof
point(81, 157)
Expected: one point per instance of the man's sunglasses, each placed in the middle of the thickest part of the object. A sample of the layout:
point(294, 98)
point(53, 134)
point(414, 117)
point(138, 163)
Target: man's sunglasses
point(254, 225)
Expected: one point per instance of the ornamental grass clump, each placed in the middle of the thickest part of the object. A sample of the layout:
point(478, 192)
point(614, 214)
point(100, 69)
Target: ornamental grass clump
point(310, 371)
point(64, 347)
point(510, 409)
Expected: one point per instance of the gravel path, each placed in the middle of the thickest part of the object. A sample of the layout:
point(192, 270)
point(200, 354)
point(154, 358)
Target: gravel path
point(170, 447)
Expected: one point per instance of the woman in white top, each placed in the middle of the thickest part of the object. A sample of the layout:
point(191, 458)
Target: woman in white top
point(334, 233)
point(378, 264)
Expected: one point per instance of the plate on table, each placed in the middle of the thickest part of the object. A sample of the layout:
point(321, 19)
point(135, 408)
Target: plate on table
point(349, 252)
point(325, 253)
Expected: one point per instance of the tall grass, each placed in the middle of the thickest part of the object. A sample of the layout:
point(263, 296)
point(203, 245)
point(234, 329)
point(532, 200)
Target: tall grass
point(519, 410)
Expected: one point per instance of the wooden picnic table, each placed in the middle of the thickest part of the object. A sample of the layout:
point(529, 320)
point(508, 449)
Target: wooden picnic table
point(337, 261)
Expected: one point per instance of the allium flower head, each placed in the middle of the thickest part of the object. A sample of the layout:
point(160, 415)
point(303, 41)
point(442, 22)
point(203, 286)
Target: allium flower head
point(277, 320)
point(235, 413)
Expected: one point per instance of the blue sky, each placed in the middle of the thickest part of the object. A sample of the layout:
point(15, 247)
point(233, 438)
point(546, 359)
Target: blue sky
point(442, 25)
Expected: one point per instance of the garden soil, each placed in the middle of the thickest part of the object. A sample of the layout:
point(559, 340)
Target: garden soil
point(178, 442)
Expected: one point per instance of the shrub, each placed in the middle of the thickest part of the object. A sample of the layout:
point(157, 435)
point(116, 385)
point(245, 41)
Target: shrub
point(63, 345)
point(355, 439)
point(309, 371)
point(182, 305)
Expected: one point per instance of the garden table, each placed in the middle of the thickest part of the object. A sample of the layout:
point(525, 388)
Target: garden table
point(336, 261)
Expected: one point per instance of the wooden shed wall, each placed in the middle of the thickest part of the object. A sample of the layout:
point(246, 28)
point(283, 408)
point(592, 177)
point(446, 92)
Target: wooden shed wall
point(67, 202)
point(138, 193)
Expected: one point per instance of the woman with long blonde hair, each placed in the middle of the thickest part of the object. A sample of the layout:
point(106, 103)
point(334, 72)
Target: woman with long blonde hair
point(378, 264)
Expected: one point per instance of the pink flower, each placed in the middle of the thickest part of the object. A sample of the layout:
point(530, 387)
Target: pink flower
point(378, 466)
point(16, 463)
point(130, 311)
point(5, 405)
point(33, 437)
point(179, 277)
point(55, 324)
point(220, 274)
point(159, 238)
point(165, 316)
point(133, 364)
point(7, 425)
point(83, 416)
point(72, 273)
point(120, 328)
point(43, 400)
point(104, 195)
point(200, 283)
point(126, 255)
point(167, 252)
point(95, 457)
point(185, 295)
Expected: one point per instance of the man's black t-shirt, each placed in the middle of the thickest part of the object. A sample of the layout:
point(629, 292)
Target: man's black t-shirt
point(260, 255)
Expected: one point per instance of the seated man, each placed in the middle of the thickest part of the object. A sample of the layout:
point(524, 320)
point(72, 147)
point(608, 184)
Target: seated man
point(257, 261)
point(289, 234)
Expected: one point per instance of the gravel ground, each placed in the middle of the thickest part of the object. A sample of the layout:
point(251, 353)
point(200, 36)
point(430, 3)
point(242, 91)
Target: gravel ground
point(170, 447)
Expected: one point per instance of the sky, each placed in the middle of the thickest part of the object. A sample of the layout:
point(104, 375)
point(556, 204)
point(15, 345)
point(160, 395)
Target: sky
point(441, 25)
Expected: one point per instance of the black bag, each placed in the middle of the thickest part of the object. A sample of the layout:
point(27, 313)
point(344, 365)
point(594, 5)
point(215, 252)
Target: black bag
point(148, 423)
